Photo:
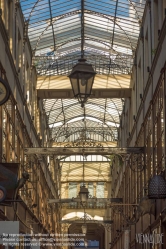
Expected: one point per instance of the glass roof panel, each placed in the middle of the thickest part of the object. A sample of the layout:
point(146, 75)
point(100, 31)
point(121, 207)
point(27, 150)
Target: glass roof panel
point(108, 20)
point(73, 171)
point(106, 32)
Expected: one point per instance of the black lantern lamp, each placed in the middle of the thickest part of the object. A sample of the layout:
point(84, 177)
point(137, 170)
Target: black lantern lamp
point(85, 242)
point(84, 228)
point(82, 78)
point(83, 194)
point(157, 187)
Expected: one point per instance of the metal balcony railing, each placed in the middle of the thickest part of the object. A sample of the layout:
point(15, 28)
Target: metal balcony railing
point(88, 205)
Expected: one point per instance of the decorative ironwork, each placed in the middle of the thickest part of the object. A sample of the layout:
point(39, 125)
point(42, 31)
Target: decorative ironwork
point(85, 143)
point(117, 209)
point(85, 217)
point(101, 63)
point(70, 134)
point(145, 206)
point(136, 162)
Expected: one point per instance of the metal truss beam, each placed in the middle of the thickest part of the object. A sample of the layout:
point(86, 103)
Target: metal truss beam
point(85, 181)
point(90, 200)
point(87, 221)
point(96, 93)
point(80, 150)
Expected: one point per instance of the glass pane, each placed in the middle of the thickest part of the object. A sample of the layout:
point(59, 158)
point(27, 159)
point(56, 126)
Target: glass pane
point(90, 189)
point(89, 85)
point(74, 85)
point(100, 190)
point(72, 190)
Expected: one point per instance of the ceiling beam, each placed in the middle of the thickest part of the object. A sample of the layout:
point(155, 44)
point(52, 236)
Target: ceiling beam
point(96, 93)
point(80, 150)
point(101, 81)
point(85, 181)
point(90, 200)
point(87, 221)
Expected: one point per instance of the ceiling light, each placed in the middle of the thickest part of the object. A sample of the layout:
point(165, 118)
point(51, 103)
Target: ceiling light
point(82, 78)
point(85, 242)
point(84, 228)
point(83, 194)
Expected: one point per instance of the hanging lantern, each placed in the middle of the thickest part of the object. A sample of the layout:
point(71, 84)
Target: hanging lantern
point(82, 78)
point(84, 228)
point(157, 187)
point(83, 193)
point(85, 242)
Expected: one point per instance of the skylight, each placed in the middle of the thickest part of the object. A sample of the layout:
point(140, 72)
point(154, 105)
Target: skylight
point(106, 32)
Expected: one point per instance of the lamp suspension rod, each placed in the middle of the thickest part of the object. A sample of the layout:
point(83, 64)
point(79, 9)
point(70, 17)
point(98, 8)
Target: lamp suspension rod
point(82, 28)
point(112, 42)
point(83, 170)
point(84, 215)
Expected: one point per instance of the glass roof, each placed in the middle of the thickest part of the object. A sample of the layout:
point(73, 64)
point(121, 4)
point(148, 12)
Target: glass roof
point(106, 33)
point(110, 32)
point(73, 172)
